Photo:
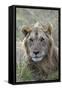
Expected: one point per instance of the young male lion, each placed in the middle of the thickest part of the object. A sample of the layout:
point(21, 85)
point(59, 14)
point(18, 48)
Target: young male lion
point(41, 50)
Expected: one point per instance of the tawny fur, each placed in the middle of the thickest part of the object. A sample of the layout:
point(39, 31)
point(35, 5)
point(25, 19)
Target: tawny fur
point(41, 70)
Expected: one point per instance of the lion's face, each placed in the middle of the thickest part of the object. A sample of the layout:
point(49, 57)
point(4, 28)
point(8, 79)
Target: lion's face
point(37, 44)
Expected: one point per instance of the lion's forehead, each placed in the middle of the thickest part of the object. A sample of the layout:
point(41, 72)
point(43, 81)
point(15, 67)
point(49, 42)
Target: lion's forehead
point(37, 33)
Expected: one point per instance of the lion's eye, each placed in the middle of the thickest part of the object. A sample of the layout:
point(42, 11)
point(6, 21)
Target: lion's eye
point(31, 39)
point(41, 39)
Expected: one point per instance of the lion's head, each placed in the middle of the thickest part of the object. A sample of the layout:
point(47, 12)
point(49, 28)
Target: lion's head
point(37, 41)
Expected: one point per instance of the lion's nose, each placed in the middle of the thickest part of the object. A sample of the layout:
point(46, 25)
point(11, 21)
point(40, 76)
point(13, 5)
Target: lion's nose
point(36, 52)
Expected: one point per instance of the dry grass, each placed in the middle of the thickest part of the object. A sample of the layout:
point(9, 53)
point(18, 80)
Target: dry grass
point(23, 73)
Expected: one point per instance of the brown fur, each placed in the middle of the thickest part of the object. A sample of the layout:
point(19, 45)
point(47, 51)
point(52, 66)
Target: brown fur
point(41, 70)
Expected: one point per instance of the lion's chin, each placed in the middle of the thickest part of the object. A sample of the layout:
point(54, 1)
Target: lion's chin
point(37, 59)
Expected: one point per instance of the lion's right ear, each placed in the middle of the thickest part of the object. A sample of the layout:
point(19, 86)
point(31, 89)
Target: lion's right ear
point(50, 28)
point(26, 30)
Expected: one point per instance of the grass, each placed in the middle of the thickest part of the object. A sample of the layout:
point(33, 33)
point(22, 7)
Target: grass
point(24, 74)
point(53, 76)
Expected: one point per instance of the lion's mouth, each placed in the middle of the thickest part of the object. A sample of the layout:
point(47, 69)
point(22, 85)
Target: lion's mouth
point(36, 58)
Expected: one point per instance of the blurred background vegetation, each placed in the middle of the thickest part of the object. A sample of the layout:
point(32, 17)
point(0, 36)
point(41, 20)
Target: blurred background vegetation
point(25, 16)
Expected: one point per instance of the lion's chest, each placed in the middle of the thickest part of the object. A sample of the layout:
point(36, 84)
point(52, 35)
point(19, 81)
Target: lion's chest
point(39, 70)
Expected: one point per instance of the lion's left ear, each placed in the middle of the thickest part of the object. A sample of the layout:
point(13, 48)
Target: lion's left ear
point(50, 28)
point(26, 30)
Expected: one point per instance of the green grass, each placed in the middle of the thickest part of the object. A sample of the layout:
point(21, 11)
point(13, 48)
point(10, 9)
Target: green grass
point(23, 73)
point(53, 76)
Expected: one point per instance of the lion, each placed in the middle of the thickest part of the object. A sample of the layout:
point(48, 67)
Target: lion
point(41, 50)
